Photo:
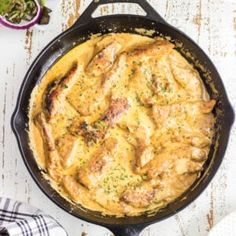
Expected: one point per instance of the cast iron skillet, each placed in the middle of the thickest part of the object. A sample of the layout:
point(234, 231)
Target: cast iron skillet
point(80, 32)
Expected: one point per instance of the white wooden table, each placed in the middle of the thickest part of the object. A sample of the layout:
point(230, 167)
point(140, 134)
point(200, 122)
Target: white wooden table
point(212, 24)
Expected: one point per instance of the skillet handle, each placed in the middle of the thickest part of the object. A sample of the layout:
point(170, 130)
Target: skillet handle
point(87, 14)
point(126, 231)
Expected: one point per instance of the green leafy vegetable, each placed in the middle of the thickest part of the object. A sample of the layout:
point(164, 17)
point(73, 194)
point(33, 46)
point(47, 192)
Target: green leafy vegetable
point(17, 10)
point(6, 6)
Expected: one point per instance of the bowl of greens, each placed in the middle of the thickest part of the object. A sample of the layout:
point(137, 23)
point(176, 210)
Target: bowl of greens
point(23, 14)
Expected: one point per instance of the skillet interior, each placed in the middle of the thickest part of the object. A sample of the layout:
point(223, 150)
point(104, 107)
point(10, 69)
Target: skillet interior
point(128, 23)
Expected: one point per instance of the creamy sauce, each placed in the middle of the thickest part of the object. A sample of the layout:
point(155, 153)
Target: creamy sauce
point(122, 124)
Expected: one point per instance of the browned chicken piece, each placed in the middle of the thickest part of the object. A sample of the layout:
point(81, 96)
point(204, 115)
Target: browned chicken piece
point(91, 133)
point(107, 202)
point(185, 108)
point(97, 130)
point(207, 106)
point(106, 83)
point(53, 164)
point(56, 94)
point(185, 75)
point(164, 190)
point(173, 186)
point(199, 154)
point(141, 133)
point(205, 124)
point(156, 49)
point(143, 151)
point(139, 196)
point(185, 165)
point(194, 138)
point(143, 155)
point(182, 183)
point(116, 108)
point(67, 146)
point(78, 192)
point(162, 163)
point(74, 188)
point(140, 81)
point(111, 76)
point(93, 171)
point(180, 159)
point(104, 60)
point(185, 113)
point(185, 135)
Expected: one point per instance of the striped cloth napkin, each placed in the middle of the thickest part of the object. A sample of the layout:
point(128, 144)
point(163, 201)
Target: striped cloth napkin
point(20, 219)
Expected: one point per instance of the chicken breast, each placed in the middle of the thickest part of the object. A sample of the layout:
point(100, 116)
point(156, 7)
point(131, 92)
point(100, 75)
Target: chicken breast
point(182, 71)
point(53, 159)
point(115, 110)
point(79, 193)
point(104, 60)
point(93, 171)
point(156, 49)
point(139, 196)
point(97, 130)
point(96, 94)
point(67, 147)
point(57, 91)
point(177, 159)
point(185, 115)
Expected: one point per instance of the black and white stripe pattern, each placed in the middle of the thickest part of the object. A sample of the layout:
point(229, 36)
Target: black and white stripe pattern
point(20, 219)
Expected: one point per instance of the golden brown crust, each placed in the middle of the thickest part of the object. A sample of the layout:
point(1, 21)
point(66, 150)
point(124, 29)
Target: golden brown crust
point(104, 59)
point(115, 110)
point(156, 49)
point(97, 130)
point(58, 90)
